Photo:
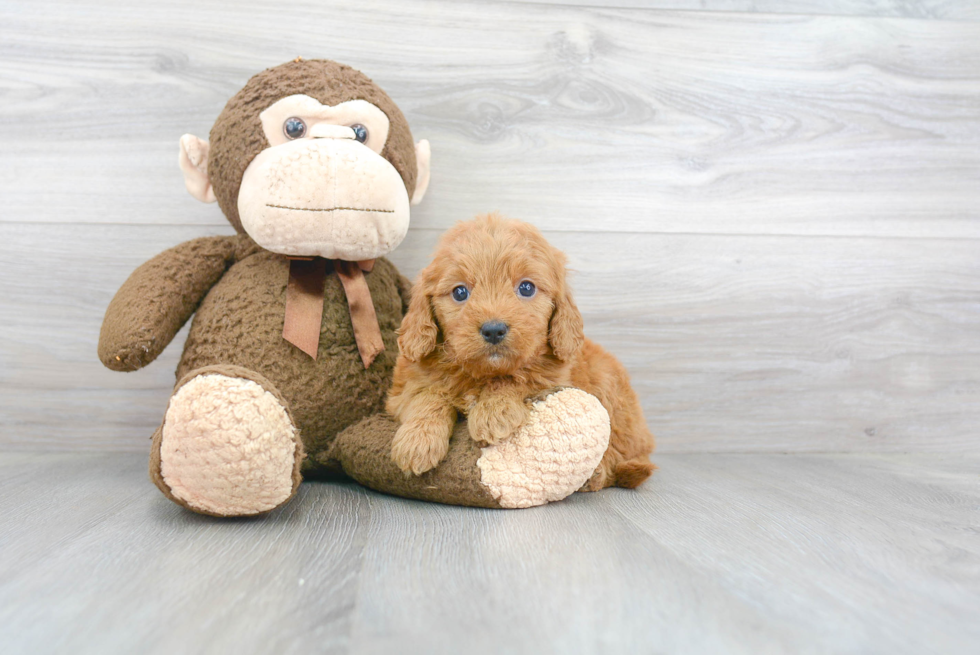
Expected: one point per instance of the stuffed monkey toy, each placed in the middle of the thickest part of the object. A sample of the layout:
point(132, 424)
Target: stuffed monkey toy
point(293, 341)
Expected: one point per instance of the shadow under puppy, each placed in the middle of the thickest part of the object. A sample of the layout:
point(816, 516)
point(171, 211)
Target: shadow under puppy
point(491, 325)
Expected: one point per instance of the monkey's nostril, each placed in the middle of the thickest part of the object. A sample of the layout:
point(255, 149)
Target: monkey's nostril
point(493, 331)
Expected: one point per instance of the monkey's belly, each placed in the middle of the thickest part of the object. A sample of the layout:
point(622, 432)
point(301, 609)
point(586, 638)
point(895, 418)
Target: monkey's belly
point(240, 322)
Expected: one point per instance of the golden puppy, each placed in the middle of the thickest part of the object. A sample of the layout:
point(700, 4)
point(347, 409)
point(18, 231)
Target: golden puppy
point(491, 324)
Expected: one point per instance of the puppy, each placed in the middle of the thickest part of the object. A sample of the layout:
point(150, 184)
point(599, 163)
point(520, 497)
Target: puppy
point(491, 324)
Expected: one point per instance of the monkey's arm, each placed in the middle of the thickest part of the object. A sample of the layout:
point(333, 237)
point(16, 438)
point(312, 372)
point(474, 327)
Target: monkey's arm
point(158, 298)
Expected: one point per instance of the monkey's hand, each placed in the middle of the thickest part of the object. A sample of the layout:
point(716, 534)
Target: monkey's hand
point(496, 416)
point(158, 298)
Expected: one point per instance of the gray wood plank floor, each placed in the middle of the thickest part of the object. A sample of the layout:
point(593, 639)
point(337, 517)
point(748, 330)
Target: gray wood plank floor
point(718, 553)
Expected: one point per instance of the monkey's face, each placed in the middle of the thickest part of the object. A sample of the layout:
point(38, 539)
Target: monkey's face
point(322, 187)
point(311, 158)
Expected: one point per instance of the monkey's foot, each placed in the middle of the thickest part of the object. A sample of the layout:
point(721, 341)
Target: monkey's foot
point(552, 455)
point(227, 447)
point(546, 459)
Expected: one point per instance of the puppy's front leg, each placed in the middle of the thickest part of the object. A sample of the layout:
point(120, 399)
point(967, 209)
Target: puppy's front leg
point(422, 440)
point(497, 414)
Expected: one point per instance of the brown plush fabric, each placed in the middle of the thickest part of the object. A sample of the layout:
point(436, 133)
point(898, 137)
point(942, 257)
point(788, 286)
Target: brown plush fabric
point(237, 136)
point(236, 291)
point(405, 289)
point(239, 323)
point(363, 452)
point(158, 298)
point(231, 371)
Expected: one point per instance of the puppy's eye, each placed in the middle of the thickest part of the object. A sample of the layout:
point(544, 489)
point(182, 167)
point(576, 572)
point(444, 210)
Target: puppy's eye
point(461, 293)
point(526, 289)
point(294, 128)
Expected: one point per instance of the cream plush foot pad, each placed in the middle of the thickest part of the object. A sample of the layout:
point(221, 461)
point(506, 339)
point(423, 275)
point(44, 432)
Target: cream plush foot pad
point(552, 455)
point(228, 447)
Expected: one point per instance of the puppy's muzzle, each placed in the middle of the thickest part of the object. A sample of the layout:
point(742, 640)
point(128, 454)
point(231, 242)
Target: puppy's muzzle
point(494, 331)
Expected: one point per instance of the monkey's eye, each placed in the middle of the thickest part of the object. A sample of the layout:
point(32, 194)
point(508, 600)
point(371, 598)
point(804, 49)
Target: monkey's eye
point(526, 289)
point(461, 293)
point(294, 128)
point(360, 132)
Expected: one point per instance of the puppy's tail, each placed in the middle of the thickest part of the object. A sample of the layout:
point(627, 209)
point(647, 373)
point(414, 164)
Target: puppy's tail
point(632, 473)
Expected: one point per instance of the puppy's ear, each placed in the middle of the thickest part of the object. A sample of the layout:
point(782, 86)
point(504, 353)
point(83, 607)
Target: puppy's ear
point(418, 333)
point(565, 332)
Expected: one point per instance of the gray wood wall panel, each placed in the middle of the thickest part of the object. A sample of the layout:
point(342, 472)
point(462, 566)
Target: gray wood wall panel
point(734, 343)
point(774, 218)
point(956, 10)
point(661, 121)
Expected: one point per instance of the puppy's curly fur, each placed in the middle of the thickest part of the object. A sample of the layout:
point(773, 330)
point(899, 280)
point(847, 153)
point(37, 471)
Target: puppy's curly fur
point(447, 365)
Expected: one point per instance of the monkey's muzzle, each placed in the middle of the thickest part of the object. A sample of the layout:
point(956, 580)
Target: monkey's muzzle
point(333, 198)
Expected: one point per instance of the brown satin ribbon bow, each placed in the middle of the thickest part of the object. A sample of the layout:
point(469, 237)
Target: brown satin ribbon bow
point(304, 305)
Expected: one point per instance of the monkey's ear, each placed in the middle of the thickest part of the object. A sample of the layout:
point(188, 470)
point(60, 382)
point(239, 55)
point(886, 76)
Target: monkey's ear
point(193, 162)
point(418, 333)
point(423, 153)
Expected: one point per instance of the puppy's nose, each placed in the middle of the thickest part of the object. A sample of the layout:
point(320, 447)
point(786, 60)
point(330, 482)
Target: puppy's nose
point(493, 331)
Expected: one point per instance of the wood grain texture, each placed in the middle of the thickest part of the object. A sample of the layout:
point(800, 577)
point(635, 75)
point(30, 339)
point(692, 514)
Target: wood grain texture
point(734, 343)
point(716, 554)
point(955, 10)
point(773, 217)
point(706, 122)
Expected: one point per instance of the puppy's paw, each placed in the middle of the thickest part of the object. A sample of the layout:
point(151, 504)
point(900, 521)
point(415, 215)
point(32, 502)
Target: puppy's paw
point(416, 450)
point(596, 481)
point(493, 420)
